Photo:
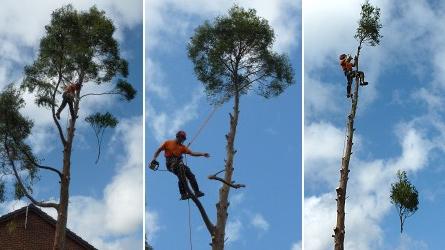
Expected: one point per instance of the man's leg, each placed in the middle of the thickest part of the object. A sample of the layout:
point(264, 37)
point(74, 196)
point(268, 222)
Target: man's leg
point(182, 181)
point(70, 105)
point(192, 181)
point(62, 106)
point(362, 78)
point(349, 76)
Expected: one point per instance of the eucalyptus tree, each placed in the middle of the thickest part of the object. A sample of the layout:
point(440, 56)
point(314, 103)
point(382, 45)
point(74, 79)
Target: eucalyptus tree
point(368, 33)
point(404, 197)
point(77, 48)
point(232, 55)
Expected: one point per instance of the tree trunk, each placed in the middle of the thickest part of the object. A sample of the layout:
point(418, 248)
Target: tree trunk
point(339, 230)
point(62, 212)
point(223, 204)
point(401, 224)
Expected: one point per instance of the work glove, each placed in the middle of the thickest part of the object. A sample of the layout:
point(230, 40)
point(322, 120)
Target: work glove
point(154, 165)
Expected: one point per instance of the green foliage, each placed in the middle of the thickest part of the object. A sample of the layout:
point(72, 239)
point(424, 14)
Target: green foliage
point(369, 25)
point(234, 52)
point(19, 192)
point(99, 122)
point(404, 196)
point(14, 130)
point(77, 47)
point(125, 89)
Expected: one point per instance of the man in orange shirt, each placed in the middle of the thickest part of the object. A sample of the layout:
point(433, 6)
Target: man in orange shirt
point(173, 151)
point(68, 95)
point(346, 65)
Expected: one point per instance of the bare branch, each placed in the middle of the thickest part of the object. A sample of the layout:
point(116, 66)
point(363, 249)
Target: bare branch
point(233, 185)
point(104, 93)
point(59, 128)
point(205, 217)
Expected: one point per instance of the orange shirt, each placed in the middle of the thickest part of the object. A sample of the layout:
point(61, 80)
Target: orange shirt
point(346, 64)
point(71, 88)
point(172, 148)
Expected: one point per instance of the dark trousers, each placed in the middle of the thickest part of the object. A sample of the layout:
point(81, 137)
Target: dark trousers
point(183, 172)
point(350, 77)
point(67, 98)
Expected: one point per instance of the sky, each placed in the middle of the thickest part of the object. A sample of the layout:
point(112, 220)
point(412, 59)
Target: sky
point(399, 123)
point(267, 213)
point(106, 207)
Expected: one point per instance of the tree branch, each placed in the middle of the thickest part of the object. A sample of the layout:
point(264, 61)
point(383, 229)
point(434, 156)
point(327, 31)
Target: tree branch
point(59, 128)
point(233, 185)
point(36, 164)
point(25, 191)
point(205, 217)
point(104, 93)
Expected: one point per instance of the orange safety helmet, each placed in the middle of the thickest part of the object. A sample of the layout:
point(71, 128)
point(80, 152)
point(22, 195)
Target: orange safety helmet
point(342, 56)
point(181, 134)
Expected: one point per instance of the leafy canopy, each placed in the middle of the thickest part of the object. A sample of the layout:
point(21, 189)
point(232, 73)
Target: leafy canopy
point(77, 47)
point(368, 30)
point(14, 151)
point(404, 196)
point(233, 52)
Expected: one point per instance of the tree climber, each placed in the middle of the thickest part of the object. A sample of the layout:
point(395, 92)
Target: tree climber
point(68, 95)
point(346, 65)
point(173, 150)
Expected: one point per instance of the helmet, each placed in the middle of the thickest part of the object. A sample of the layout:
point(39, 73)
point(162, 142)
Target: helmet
point(181, 134)
point(342, 56)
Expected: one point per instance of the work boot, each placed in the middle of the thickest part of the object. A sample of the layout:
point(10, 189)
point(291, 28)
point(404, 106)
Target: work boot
point(185, 196)
point(199, 194)
point(364, 83)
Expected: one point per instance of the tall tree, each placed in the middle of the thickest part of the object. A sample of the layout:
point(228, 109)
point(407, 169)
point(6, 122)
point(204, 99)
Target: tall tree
point(368, 33)
point(405, 197)
point(233, 55)
point(78, 47)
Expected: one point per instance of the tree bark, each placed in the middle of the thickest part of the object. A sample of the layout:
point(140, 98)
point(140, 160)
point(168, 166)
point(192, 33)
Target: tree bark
point(223, 204)
point(62, 212)
point(339, 230)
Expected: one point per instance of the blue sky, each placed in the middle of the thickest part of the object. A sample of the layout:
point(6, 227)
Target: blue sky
point(106, 207)
point(266, 214)
point(399, 124)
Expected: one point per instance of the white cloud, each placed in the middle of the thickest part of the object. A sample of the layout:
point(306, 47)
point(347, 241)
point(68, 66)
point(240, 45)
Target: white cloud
point(407, 243)
point(167, 19)
point(368, 194)
point(419, 51)
point(322, 97)
point(119, 212)
point(18, 46)
point(237, 199)
point(233, 230)
point(162, 124)
point(259, 222)
point(151, 224)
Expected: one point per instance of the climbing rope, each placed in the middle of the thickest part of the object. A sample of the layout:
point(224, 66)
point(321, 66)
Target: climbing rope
point(188, 203)
point(203, 124)
point(190, 226)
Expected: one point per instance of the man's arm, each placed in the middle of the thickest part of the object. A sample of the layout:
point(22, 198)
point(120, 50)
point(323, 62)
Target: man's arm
point(199, 154)
point(158, 151)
